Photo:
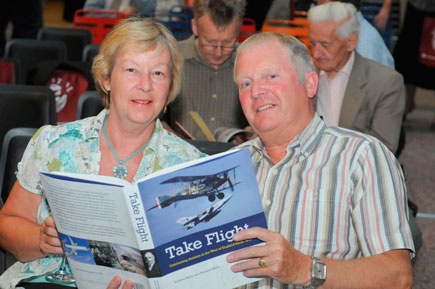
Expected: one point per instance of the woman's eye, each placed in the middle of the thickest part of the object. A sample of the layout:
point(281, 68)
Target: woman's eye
point(130, 69)
point(272, 76)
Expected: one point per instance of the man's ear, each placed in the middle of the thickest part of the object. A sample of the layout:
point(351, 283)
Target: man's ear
point(351, 42)
point(311, 83)
point(194, 27)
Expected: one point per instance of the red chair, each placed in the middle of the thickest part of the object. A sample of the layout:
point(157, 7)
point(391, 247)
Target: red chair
point(296, 28)
point(98, 22)
point(247, 28)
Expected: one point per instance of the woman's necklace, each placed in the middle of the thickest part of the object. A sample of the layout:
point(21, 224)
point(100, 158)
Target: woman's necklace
point(120, 170)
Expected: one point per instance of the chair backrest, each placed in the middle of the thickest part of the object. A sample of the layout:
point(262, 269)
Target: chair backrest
point(178, 22)
point(89, 52)
point(74, 39)
point(9, 70)
point(98, 22)
point(14, 144)
point(90, 104)
point(297, 28)
point(25, 106)
point(210, 147)
point(13, 147)
point(30, 52)
point(247, 28)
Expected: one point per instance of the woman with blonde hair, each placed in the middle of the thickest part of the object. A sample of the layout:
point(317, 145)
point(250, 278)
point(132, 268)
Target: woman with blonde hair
point(137, 73)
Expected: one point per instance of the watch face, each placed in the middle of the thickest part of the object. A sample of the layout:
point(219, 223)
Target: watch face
point(319, 270)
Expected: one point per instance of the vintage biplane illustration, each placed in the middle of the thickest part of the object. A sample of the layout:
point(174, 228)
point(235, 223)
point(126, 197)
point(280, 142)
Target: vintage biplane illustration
point(74, 247)
point(207, 215)
point(210, 186)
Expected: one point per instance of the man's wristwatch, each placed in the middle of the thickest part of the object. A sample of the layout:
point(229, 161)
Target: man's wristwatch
point(318, 274)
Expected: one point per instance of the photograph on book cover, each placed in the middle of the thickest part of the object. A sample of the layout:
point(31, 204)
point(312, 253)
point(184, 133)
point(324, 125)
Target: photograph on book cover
point(193, 213)
point(105, 254)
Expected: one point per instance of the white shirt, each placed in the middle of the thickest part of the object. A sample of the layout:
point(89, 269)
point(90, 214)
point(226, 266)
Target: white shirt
point(331, 93)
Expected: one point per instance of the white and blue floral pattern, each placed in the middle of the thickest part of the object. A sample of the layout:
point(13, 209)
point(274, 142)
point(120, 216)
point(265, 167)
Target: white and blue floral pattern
point(74, 148)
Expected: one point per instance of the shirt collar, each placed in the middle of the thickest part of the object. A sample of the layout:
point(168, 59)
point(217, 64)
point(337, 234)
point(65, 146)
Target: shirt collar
point(306, 141)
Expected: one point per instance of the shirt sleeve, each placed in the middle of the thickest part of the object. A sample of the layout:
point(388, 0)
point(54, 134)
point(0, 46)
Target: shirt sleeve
point(31, 163)
point(380, 212)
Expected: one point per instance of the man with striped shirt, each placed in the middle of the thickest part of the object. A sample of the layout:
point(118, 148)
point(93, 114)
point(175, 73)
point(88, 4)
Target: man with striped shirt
point(334, 199)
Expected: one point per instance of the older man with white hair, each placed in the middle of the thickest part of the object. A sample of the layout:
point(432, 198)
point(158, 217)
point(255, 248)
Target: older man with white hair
point(354, 92)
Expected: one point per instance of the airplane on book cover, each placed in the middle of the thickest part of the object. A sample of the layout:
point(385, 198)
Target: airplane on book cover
point(74, 247)
point(207, 215)
point(210, 186)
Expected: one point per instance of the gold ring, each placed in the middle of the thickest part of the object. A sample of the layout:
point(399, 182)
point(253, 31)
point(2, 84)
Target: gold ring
point(261, 262)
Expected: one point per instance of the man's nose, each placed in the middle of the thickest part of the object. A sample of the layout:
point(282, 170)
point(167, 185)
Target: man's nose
point(257, 89)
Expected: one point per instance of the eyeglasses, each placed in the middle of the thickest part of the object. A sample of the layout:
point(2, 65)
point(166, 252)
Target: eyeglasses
point(214, 47)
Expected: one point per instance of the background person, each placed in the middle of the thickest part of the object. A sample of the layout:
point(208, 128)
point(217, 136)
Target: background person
point(354, 92)
point(208, 86)
point(137, 73)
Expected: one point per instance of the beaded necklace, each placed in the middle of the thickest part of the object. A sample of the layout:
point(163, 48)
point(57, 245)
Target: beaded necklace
point(120, 170)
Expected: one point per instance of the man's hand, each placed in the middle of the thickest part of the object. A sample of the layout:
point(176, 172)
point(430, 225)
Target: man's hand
point(116, 282)
point(49, 242)
point(276, 259)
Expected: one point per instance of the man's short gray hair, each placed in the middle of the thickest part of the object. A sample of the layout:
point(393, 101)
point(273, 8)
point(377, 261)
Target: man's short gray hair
point(337, 12)
point(297, 52)
point(222, 12)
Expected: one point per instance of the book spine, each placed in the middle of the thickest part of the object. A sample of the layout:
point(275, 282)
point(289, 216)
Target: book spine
point(138, 218)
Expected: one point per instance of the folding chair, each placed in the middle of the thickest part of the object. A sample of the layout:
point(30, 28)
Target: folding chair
point(74, 39)
point(89, 52)
point(12, 150)
point(296, 28)
point(247, 28)
point(179, 24)
point(9, 70)
point(98, 22)
point(25, 106)
point(90, 104)
point(14, 144)
point(30, 52)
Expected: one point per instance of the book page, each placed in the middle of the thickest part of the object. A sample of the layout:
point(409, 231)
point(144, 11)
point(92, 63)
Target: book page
point(95, 229)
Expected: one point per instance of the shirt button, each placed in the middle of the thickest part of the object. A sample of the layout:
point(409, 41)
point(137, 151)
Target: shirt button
point(267, 203)
point(214, 95)
point(212, 119)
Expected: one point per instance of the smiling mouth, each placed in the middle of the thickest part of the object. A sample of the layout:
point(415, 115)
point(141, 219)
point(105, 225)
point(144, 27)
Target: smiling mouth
point(267, 106)
point(142, 101)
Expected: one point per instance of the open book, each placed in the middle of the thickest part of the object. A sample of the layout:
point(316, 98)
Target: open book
point(173, 229)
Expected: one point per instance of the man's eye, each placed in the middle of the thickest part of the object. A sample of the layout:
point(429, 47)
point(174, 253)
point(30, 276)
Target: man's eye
point(272, 76)
point(245, 84)
point(130, 69)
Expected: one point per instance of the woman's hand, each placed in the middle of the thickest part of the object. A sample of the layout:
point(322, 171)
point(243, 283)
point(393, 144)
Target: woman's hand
point(49, 242)
point(116, 282)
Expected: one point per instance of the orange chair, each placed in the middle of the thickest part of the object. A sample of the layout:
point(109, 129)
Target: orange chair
point(98, 22)
point(247, 28)
point(296, 28)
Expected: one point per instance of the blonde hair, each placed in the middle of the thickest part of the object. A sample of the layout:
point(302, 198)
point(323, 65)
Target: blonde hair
point(141, 33)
